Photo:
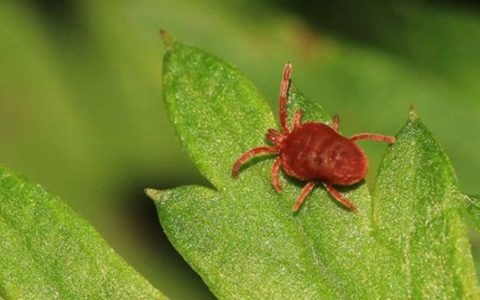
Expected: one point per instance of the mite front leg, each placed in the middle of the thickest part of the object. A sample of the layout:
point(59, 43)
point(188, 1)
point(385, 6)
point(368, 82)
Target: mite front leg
point(340, 198)
point(284, 86)
point(275, 177)
point(373, 137)
point(249, 154)
point(275, 137)
point(305, 191)
point(297, 118)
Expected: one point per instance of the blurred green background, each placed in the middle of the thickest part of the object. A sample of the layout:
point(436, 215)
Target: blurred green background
point(81, 110)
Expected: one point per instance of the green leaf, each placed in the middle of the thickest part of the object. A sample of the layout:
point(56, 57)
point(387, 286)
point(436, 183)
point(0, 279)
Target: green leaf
point(207, 99)
point(243, 238)
point(47, 251)
point(417, 214)
point(248, 216)
point(236, 245)
point(197, 84)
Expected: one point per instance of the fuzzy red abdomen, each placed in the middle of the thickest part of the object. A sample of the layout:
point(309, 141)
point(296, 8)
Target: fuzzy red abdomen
point(314, 151)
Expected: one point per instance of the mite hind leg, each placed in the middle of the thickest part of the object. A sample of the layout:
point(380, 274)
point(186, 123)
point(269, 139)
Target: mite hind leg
point(340, 198)
point(305, 191)
point(365, 136)
point(275, 175)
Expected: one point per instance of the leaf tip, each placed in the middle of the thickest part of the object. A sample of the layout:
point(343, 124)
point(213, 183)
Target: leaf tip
point(412, 113)
point(167, 38)
point(153, 194)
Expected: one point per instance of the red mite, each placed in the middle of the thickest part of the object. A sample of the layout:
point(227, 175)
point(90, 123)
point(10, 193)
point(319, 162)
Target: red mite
point(313, 152)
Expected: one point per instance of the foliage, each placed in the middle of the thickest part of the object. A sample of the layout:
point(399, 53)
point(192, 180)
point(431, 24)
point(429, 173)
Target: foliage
point(48, 252)
point(80, 95)
point(407, 240)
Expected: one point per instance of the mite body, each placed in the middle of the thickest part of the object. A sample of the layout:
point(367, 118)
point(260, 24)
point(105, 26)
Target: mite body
point(313, 152)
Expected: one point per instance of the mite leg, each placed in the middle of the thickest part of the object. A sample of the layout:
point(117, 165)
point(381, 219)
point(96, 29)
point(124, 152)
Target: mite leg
point(340, 198)
point(305, 191)
point(249, 154)
point(287, 71)
point(274, 136)
point(297, 118)
point(373, 137)
point(275, 179)
point(336, 122)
